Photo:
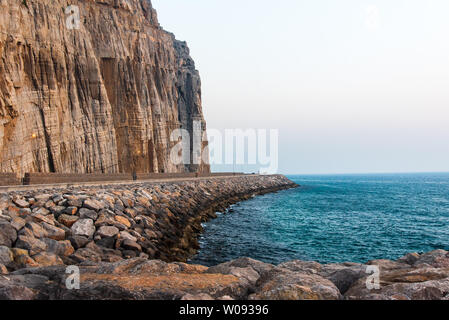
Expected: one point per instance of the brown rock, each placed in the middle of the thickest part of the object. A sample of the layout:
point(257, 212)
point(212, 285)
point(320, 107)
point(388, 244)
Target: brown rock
point(93, 204)
point(67, 220)
point(34, 246)
point(123, 221)
point(131, 245)
point(53, 232)
point(59, 248)
point(25, 261)
point(125, 235)
point(42, 211)
point(78, 241)
point(19, 252)
point(412, 283)
point(71, 210)
point(436, 258)
point(88, 214)
point(107, 231)
point(45, 259)
point(410, 258)
point(8, 234)
point(283, 284)
point(18, 223)
point(57, 210)
point(21, 203)
point(6, 255)
point(36, 230)
point(39, 218)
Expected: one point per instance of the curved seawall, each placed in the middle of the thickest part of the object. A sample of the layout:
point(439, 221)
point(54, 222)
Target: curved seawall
point(108, 223)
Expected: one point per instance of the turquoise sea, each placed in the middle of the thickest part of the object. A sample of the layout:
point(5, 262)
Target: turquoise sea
point(335, 218)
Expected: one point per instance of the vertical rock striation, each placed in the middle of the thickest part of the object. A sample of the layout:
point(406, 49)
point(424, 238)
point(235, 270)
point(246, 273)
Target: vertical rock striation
point(101, 98)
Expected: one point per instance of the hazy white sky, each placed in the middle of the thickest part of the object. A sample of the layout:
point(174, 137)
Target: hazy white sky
point(352, 85)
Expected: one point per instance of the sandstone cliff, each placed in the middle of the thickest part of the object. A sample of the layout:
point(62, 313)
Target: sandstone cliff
point(103, 97)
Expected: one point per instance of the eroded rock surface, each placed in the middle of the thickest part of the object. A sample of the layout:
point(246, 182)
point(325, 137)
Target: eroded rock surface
point(101, 98)
point(241, 279)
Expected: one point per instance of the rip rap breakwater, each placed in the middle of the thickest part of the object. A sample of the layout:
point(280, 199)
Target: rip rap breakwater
point(110, 223)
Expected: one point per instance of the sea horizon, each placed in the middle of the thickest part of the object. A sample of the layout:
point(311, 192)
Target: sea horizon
point(335, 218)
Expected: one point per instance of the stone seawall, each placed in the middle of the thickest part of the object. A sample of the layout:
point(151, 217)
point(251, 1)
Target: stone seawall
point(151, 220)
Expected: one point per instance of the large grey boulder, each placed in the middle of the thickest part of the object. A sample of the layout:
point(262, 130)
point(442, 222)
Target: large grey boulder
point(84, 227)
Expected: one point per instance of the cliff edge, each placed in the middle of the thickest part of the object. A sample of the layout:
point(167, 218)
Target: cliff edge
point(98, 94)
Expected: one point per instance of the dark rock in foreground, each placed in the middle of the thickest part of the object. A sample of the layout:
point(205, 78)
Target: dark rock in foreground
point(425, 278)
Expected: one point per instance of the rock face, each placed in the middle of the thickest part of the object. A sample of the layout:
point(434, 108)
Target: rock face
point(101, 98)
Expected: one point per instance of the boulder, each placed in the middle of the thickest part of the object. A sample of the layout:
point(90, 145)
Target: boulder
point(19, 252)
point(410, 258)
point(53, 232)
point(425, 283)
point(131, 245)
point(46, 259)
point(60, 248)
point(78, 241)
point(8, 234)
point(283, 284)
point(307, 267)
point(6, 256)
point(25, 261)
point(84, 227)
point(386, 265)
point(260, 267)
point(35, 228)
point(18, 223)
point(33, 245)
point(39, 218)
point(436, 258)
point(123, 220)
point(71, 210)
point(107, 231)
point(57, 210)
point(108, 242)
point(126, 236)
point(93, 204)
point(41, 211)
point(88, 214)
point(345, 278)
point(12, 290)
point(67, 220)
point(21, 203)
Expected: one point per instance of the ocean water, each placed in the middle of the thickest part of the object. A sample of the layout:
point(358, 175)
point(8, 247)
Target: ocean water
point(336, 218)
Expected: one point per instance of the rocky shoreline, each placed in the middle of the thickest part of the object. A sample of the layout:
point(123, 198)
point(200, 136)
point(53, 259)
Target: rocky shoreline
point(412, 277)
point(151, 220)
point(132, 241)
